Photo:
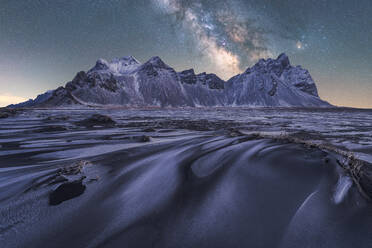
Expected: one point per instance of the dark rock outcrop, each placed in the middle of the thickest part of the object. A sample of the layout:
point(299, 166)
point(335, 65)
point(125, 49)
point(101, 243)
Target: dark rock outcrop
point(188, 77)
point(8, 112)
point(66, 191)
point(97, 120)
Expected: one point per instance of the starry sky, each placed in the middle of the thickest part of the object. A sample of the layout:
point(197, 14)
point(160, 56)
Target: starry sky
point(44, 43)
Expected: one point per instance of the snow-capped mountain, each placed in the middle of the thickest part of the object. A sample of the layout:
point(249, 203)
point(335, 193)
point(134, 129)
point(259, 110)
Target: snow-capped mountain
point(273, 82)
point(125, 81)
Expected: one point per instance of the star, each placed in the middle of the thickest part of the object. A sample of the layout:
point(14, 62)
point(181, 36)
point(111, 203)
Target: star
point(299, 45)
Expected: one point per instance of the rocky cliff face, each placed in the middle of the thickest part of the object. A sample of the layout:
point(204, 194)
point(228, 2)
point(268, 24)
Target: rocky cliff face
point(273, 82)
point(125, 81)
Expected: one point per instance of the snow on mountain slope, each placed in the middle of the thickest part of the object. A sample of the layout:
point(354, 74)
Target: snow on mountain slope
point(127, 82)
point(274, 82)
point(203, 89)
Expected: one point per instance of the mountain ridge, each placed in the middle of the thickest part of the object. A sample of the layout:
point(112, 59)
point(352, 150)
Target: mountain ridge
point(126, 82)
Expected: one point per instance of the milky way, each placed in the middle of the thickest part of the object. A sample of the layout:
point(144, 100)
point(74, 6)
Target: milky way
point(229, 40)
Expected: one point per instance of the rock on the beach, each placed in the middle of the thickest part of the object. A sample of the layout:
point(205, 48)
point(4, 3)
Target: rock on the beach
point(66, 192)
point(145, 138)
point(97, 120)
point(48, 129)
point(5, 113)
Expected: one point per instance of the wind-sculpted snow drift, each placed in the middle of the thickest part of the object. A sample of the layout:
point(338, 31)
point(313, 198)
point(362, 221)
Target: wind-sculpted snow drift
point(125, 81)
point(183, 178)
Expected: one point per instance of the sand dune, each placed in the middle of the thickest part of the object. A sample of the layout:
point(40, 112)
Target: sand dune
point(178, 188)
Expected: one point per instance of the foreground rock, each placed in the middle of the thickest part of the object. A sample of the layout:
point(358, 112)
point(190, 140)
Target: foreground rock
point(97, 120)
point(6, 112)
point(66, 191)
point(361, 173)
point(51, 128)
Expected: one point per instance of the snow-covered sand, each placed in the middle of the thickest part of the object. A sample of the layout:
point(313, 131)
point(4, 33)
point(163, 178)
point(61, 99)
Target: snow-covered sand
point(183, 178)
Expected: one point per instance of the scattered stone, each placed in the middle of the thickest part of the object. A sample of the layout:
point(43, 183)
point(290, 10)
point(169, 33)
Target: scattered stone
point(94, 179)
point(48, 129)
point(97, 120)
point(10, 145)
point(166, 130)
point(57, 118)
point(66, 192)
point(74, 169)
point(148, 130)
point(360, 172)
point(145, 138)
point(170, 125)
point(235, 133)
point(5, 113)
point(252, 136)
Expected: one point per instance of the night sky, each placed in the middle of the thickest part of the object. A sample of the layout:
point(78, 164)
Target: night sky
point(43, 44)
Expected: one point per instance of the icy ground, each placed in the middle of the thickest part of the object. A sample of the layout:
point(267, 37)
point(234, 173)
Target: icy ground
point(182, 178)
point(348, 129)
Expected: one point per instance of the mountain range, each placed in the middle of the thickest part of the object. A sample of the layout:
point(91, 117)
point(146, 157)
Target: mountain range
point(127, 82)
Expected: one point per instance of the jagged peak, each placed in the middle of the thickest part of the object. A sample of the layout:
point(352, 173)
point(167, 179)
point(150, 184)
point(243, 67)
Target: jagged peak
point(188, 72)
point(273, 65)
point(153, 65)
point(157, 62)
point(117, 65)
point(208, 76)
point(101, 64)
point(202, 74)
point(125, 61)
point(213, 75)
point(188, 76)
point(283, 60)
